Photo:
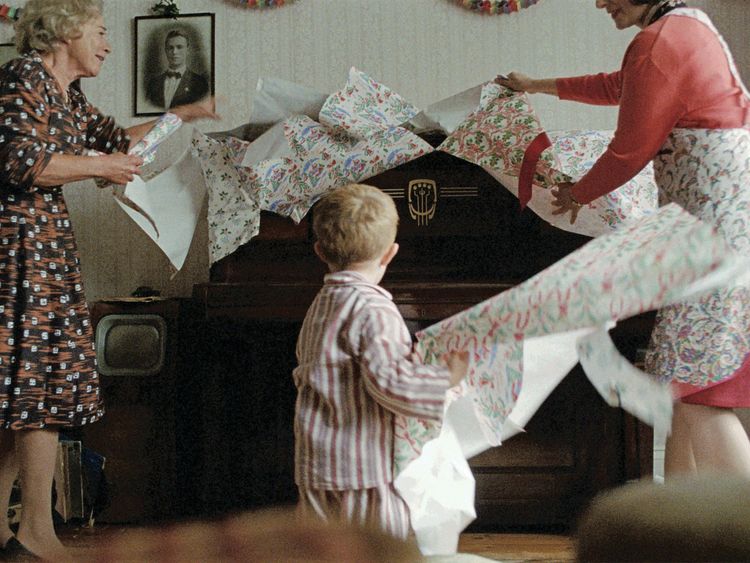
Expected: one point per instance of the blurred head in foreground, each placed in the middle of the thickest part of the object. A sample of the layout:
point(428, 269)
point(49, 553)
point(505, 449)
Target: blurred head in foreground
point(277, 535)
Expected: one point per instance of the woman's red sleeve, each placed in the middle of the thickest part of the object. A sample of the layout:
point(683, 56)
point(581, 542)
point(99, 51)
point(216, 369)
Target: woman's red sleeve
point(650, 107)
point(601, 89)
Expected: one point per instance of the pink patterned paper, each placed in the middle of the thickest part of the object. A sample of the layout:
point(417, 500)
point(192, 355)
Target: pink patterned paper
point(325, 159)
point(496, 135)
point(577, 151)
point(638, 268)
point(233, 211)
point(359, 135)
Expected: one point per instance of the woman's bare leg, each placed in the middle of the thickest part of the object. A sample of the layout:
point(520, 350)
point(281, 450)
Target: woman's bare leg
point(37, 450)
point(8, 474)
point(678, 451)
point(719, 441)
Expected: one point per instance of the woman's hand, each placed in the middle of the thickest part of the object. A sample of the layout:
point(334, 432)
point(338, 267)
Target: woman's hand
point(564, 201)
point(117, 168)
point(522, 83)
point(516, 81)
point(203, 109)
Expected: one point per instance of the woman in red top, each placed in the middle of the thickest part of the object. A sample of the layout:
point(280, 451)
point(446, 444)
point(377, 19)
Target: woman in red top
point(683, 106)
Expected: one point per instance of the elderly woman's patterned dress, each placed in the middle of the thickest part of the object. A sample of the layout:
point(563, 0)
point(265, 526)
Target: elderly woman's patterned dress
point(48, 371)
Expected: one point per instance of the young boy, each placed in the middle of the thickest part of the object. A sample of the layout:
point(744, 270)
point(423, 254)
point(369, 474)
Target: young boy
point(356, 369)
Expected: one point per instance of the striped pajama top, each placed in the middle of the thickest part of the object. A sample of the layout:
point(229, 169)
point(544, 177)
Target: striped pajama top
point(355, 370)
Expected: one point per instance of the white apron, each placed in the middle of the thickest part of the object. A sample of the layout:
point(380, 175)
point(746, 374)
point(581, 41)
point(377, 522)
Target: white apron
point(706, 171)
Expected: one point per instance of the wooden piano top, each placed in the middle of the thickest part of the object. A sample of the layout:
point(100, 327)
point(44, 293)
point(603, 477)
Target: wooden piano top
point(464, 241)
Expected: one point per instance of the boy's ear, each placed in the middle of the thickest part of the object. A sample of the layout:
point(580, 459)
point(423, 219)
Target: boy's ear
point(318, 252)
point(389, 255)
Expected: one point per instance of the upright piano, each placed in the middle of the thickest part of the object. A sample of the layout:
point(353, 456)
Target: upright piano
point(463, 239)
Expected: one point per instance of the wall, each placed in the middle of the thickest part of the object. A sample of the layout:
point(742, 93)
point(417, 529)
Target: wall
point(425, 50)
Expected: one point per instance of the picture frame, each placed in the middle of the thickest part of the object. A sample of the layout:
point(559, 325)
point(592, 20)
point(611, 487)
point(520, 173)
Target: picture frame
point(7, 52)
point(164, 46)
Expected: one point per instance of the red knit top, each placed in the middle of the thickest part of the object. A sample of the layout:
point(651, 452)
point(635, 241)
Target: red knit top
point(674, 74)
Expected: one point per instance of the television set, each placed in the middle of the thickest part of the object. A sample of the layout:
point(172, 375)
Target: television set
point(131, 345)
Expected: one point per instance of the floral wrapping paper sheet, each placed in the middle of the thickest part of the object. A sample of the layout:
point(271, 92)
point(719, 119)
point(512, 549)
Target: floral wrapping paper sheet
point(233, 211)
point(577, 151)
point(361, 132)
point(642, 266)
point(359, 136)
point(496, 135)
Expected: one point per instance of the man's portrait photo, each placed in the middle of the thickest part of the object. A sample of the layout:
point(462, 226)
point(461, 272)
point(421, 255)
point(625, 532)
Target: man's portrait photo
point(174, 61)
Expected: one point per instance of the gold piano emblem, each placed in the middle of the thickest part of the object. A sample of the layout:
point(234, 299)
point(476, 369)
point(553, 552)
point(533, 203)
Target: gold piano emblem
point(422, 196)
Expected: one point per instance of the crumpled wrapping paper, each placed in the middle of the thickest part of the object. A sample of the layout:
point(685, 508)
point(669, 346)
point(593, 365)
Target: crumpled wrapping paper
point(166, 200)
point(496, 136)
point(666, 257)
point(311, 143)
point(359, 134)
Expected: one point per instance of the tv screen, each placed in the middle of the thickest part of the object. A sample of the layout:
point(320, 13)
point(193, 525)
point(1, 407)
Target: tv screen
point(131, 345)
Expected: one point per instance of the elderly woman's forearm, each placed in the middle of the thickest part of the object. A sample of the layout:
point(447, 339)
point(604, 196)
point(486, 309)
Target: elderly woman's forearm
point(65, 168)
point(137, 132)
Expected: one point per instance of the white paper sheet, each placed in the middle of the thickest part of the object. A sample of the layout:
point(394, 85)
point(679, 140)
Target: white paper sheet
point(167, 206)
point(276, 99)
point(439, 489)
point(447, 114)
point(270, 145)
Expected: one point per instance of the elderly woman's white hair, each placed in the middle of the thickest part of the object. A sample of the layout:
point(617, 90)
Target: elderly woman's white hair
point(43, 23)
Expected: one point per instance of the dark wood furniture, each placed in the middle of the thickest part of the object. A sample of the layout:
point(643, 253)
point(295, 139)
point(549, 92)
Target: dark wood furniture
point(143, 427)
point(464, 242)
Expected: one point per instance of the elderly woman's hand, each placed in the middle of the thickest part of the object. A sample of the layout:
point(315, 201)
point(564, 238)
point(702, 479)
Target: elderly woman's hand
point(565, 202)
point(117, 168)
point(203, 109)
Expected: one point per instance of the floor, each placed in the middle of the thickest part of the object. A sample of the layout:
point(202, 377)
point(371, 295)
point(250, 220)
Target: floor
point(85, 544)
point(518, 547)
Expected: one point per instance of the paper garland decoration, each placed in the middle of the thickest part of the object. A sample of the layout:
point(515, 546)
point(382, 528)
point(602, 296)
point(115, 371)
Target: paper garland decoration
point(9, 14)
point(495, 6)
point(264, 3)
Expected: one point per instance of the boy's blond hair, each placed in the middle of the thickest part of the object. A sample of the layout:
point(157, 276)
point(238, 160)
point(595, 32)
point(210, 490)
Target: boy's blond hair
point(354, 223)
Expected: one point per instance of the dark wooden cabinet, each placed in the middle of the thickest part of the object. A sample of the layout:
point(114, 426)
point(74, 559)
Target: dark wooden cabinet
point(143, 427)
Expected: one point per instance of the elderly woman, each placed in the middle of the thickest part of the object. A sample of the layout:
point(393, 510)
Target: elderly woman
point(683, 105)
point(48, 377)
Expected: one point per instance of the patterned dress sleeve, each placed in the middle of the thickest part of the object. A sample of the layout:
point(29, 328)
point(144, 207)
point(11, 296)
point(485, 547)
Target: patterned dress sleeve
point(24, 153)
point(102, 133)
point(393, 377)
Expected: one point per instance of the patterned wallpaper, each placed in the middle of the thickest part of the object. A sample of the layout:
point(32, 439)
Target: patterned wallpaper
point(425, 50)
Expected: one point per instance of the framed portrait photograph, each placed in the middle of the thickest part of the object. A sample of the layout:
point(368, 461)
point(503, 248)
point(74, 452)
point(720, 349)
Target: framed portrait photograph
point(7, 52)
point(174, 61)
